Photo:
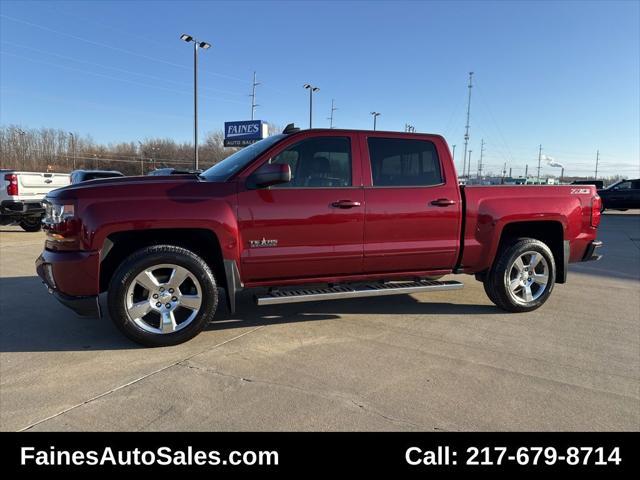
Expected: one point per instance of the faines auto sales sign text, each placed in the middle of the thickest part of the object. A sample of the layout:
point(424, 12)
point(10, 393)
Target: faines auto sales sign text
point(243, 133)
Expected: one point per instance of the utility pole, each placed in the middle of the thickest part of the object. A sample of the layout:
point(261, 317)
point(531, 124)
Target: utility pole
point(22, 133)
point(526, 172)
point(466, 132)
point(253, 96)
point(73, 148)
point(469, 164)
point(597, 161)
point(481, 156)
point(561, 174)
point(539, 160)
point(453, 154)
point(141, 158)
point(510, 176)
point(504, 172)
point(333, 109)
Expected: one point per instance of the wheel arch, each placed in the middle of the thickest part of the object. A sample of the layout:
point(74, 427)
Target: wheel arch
point(202, 242)
point(550, 232)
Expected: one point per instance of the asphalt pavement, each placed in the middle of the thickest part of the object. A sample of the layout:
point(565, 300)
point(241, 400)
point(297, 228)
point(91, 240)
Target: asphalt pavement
point(435, 361)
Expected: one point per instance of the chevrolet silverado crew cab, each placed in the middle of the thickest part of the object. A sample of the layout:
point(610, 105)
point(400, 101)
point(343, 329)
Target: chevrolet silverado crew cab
point(305, 216)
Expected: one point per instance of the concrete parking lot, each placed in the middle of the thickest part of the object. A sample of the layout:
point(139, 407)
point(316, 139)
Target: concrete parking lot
point(439, 361)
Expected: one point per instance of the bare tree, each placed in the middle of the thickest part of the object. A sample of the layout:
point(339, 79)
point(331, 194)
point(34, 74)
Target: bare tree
point(48, 149)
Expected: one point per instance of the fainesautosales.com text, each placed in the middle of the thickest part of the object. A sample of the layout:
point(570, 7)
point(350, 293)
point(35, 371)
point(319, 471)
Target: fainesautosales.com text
point(145, 457)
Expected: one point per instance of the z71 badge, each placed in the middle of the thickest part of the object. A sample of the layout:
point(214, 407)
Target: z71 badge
point(263, 243)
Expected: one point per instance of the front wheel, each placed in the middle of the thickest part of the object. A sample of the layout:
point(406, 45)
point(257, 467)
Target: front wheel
point(162, 295)
point(31, 224)
point(522, 277)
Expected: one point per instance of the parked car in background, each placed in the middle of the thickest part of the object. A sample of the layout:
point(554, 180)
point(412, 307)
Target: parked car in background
point(360, 213)
point(174, 171)
point(622, 195)
point(78, 176)
point(21, 196)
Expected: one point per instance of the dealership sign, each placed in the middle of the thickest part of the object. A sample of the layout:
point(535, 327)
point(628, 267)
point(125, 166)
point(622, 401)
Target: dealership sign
point(246, 132)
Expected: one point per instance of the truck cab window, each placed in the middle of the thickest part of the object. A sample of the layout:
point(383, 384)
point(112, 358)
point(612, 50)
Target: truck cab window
point(397, 162)
point(321, 162)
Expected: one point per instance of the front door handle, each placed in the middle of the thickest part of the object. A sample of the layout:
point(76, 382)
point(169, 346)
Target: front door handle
point(345, 204)
point(443, 202)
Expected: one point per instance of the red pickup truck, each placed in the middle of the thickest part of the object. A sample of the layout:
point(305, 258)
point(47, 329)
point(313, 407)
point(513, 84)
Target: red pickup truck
point(305, 216)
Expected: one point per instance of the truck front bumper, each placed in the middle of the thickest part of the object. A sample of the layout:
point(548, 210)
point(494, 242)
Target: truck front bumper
point(70, 279)
point(590, 254)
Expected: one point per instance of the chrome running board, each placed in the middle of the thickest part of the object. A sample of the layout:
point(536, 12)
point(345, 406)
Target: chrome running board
point(373, 289)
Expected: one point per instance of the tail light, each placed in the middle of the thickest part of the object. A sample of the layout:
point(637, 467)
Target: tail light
point(12, 186)
point(596, 207)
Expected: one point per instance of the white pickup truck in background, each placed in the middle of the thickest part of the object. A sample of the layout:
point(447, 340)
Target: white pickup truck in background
point(21, 195)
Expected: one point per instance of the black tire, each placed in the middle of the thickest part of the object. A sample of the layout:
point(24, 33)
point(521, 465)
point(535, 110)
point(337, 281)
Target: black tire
point(496, 283)
point(147, 258)
point(31, 224)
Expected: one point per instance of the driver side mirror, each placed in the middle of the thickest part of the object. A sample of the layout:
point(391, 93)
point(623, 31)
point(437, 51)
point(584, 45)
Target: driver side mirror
point(269, 174)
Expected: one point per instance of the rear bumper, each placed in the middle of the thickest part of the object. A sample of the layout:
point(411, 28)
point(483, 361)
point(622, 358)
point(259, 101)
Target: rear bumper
point(68, 277)
point(590, 254)
point(16, 207)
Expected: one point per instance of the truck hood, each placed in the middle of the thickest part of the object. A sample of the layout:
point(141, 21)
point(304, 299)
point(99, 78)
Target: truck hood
point(140, 186)
point(136, 180)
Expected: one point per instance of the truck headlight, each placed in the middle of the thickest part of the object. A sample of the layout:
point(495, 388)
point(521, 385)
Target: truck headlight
point(58, 213)
point(62, 226)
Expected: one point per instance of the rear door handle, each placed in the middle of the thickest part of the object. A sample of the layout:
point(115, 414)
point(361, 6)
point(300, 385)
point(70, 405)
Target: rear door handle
point(443, 202)
point(345, 204)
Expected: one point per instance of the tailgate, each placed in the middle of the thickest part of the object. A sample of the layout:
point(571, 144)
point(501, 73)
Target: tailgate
point(35, 185)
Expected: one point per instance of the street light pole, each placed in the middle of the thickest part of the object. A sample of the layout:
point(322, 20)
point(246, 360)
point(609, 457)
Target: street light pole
point(375, 117)
point(311, 89)
point(204, 45)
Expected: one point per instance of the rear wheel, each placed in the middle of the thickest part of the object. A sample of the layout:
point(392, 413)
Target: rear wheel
point(522, 277)
point(162, 295)
point(31, 224)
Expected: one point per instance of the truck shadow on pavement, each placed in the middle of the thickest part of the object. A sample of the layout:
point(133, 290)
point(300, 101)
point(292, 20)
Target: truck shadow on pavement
point(31, 320)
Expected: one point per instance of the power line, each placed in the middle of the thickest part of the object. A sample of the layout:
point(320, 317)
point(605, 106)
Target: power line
point(120, 79)
point(74, 59)
point(117, 49)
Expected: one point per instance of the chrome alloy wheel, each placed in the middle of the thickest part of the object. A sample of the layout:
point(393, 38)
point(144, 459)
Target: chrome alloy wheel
point(528, 277)
point(163, 298)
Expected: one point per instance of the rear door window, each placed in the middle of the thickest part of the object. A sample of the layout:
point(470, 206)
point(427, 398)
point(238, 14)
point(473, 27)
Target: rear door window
point(401, 162)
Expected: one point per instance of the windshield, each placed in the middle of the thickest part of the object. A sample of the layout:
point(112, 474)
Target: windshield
point(222, 171)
